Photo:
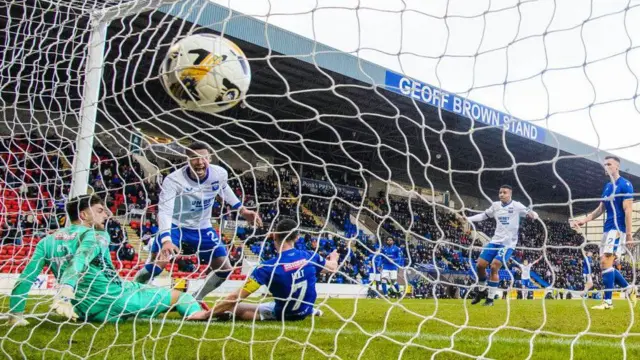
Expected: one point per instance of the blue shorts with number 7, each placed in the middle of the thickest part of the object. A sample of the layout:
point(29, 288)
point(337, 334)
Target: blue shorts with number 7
point(495, 251)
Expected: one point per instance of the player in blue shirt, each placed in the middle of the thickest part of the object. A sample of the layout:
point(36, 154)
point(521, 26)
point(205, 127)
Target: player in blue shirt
point(290, 278)
point(587, 266)
point(617, 202)
point(374, 267)
point(390, 260)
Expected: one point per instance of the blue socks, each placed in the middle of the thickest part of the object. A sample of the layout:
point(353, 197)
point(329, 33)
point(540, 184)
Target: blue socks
point(153, 269)
point(149, 271)
point(482, 280)
point(619, 279)
point(384, 288)
point(608, 280)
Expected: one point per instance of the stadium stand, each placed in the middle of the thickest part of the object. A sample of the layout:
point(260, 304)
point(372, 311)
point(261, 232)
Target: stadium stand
point(32, 205)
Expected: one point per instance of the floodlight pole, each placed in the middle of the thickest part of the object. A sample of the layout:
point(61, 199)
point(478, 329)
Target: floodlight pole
point(93, 78)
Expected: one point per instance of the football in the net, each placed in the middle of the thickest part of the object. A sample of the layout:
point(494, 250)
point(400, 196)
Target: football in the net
point(206, 73)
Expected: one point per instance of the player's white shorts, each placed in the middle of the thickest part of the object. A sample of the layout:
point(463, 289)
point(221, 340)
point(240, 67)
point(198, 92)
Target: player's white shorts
point(588, 278)
point(612, 243)
point(267, 311)
point(374, 277)
point(390, 274)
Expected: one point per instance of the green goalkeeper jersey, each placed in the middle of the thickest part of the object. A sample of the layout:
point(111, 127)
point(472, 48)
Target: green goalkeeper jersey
point(56, 251)
point(92, 274)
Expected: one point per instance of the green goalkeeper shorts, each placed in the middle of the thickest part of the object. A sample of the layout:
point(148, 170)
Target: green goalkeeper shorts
point(137, 300)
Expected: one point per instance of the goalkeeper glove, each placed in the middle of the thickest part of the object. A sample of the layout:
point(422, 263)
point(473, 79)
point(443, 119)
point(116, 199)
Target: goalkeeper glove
point(16, 319)
point(62, 303)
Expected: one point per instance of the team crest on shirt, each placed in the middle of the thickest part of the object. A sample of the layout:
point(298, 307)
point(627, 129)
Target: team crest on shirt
point(215, 186)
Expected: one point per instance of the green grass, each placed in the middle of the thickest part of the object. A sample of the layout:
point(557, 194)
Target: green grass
point(350, 329)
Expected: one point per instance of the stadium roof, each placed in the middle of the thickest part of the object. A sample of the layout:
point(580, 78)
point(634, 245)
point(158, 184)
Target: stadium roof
point(308, 103)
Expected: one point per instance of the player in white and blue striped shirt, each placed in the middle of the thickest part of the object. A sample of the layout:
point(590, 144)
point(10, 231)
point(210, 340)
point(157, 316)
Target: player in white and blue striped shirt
point(184, 218)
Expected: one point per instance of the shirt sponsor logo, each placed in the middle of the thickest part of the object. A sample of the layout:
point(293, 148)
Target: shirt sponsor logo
point(64, 236)
point(102, 240)
point(294, 265)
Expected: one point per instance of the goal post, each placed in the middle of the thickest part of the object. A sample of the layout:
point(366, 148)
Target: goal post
point(99, 22)
point(89, 111)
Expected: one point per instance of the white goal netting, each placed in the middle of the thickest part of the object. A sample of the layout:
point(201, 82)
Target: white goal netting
point(364, 121)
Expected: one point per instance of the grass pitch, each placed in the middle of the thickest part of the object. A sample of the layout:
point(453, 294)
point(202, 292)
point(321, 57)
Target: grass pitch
point(350, 329)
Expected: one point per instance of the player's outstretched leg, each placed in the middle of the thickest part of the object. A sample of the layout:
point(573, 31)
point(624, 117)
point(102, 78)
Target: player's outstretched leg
point(623, 284)
point(153, 267)
point(481, 268)
point(588, 284)
point(493, 282)
point(608, 281)
point(149, 271)
point(220, 270)
point(188, 306)
point(502, 257)
point(258, 312)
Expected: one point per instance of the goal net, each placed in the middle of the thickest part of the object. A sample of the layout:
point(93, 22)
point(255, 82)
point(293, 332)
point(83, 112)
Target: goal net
point(379, 127)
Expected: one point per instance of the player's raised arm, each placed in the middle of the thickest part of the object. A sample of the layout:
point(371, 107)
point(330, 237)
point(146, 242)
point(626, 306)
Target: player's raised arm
point(230, 197)
point(482, 216)
point(166, 203)
point(330, 264)
point(538, 260)
point(18, 299)
point(530, 213)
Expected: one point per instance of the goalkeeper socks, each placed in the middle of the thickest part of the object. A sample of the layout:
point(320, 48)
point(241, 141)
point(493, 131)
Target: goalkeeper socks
point(493, 286)
point(608, 280)
point(187, 305)
point(215, 279)
point(619, 279)
point(384, 288)
point(147, 272)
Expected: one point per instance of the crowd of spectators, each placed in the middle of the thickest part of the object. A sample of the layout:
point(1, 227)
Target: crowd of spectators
point(35, 183)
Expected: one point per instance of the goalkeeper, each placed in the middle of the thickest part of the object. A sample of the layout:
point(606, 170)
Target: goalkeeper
point(90, 286)
point(54, 251)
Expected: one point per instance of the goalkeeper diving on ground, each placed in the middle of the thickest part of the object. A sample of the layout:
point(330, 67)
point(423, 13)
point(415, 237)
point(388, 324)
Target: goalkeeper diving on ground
point(91, 289)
